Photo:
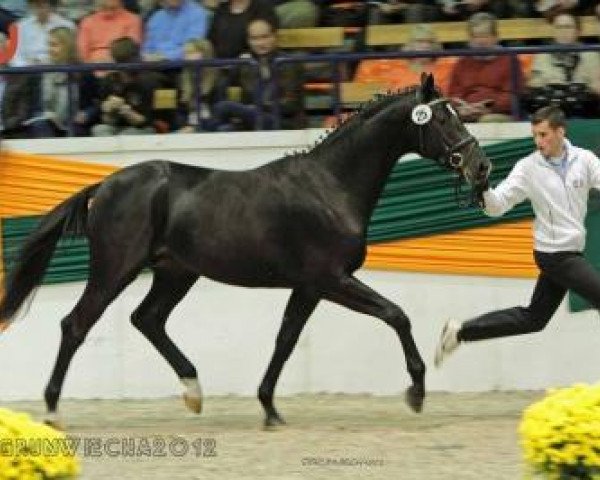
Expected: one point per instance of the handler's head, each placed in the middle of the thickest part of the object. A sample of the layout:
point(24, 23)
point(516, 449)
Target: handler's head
point(548, 126)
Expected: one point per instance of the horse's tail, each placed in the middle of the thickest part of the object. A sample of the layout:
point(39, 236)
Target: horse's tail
point(69, 218)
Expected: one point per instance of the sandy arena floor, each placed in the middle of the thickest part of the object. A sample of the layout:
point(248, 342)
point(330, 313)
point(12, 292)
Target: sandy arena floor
point(458, 436)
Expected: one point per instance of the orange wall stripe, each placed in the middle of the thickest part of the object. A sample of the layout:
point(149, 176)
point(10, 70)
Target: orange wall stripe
point(503, 250)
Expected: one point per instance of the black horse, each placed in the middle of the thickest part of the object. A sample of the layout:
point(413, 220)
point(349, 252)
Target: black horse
point(299, 222)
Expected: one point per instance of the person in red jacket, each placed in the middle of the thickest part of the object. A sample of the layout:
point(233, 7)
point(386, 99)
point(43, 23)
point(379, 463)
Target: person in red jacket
point(480, 86)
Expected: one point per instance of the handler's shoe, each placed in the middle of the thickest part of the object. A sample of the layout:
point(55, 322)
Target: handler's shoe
point(448, 342)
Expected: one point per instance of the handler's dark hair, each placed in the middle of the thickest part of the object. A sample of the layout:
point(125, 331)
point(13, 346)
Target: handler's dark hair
point(554, 114)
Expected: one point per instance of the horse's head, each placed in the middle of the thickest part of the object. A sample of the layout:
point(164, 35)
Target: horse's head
point(443, 137)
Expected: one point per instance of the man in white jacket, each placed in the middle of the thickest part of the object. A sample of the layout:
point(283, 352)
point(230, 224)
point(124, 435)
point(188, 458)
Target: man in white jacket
point(556, 178)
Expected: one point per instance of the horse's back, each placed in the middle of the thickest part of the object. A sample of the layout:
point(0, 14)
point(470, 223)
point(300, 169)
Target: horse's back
point(134, 202)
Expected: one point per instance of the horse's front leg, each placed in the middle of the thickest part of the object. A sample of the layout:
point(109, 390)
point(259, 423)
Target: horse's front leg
point(351, 293)
point(300, 306)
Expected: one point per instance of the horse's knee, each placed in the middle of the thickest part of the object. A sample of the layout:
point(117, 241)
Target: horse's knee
point(265, 394)
point(397, 319)
point(137, 320)
point(72, 334)
point(141, 320)
point(537, 325)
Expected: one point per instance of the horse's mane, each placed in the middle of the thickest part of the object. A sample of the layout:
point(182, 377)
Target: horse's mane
point(367, 110)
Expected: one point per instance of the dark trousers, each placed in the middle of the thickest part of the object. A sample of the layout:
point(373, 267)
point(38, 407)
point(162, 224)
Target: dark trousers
point(226, 113)
point(559, 272)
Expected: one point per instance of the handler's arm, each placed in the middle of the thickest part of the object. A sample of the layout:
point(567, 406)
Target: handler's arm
point(511, 191)
point(594, 169)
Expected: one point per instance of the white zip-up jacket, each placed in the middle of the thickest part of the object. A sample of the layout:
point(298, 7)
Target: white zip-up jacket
point(559, 205)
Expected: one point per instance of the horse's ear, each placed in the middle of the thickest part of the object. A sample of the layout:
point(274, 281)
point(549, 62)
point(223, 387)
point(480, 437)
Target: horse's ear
point(427, 85)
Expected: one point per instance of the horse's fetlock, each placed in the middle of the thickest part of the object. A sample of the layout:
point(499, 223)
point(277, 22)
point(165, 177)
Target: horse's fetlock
point(264, 394)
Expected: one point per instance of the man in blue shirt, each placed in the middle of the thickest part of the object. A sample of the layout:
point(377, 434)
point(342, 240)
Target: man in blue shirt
point(170, 27)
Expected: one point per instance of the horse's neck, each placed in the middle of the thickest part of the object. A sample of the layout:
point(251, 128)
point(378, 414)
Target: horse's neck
point(363, 162)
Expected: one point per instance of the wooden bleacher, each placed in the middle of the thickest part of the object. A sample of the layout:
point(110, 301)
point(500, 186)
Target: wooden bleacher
point(453, 32)
point(354, 93)
point(308, 38)
point(398, 34)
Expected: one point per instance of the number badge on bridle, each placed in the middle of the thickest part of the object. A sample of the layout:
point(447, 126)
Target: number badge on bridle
point(421, 114)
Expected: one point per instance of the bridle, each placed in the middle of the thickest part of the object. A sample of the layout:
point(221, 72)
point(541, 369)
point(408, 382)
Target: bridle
point(452, 158)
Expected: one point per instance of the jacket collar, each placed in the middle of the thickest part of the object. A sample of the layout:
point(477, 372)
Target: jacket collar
point(571, 155)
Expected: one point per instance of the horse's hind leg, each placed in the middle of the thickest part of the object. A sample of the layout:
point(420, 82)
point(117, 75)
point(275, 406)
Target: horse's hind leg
point(300, 306)
point(103, 286)
point(170, 284)
point(352, 293)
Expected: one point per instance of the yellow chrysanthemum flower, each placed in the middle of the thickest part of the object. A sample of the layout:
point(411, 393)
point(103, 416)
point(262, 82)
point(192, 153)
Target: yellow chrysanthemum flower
point(560, 434)
point(22, 455)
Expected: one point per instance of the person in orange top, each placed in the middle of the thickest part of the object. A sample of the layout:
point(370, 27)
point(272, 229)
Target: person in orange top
point(398, 73)
point(98, 30)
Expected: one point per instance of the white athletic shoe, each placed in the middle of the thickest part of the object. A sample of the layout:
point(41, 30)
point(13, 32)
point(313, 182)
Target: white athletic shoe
point(448, 342)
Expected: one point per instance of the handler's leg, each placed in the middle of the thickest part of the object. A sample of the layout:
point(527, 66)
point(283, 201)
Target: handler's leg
point(577, 274)
point(546, 298)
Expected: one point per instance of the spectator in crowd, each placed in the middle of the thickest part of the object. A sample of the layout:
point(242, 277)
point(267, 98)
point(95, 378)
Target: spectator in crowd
point(33, 32)
point(16, 8)
point(297, 13)
point(571, 79)
point(551, 8)
point(55, 118)
point(170, 27)
point(126, 97)
point(98, 30)
point(230, 24)
point(396, 73)
point(19, 102)
point(75, 10)
point(3, 42)
point(565, 67)
point(147, 7)
point(480, 86)
point(396, 11)
point(286, 83)
point(6, 19)
point(458, 10)
point(194, 119)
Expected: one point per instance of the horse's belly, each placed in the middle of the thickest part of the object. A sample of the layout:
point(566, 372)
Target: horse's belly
point(233, 264)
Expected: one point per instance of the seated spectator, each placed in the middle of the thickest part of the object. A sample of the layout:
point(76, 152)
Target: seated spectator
point(459, 10)
point(480, 86)
point(343, 13)
point(19, 102)
point(395, 11)
point(297, 13)
point(54, 118)
point(16, 8)
point(230, 24)
point(554, 75)
point(551, 8)
point(126, 97)
point(75, 10)
point(98, 30)
point(243, 115)
point(397, 73)
point(33, 32)
point(170, 27)
point(198, 49)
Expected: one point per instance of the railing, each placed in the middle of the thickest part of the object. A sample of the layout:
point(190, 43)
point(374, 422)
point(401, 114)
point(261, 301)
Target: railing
point(334, 59)
point(196, 65)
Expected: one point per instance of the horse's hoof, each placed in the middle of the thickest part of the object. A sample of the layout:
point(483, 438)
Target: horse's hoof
point(192, 395)
point(193, 403)
point(54, 421)
point(273, 421)
point(414, 398)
